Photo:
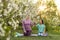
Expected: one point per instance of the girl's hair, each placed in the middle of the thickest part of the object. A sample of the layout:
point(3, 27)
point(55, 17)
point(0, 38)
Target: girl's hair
point(42, 21)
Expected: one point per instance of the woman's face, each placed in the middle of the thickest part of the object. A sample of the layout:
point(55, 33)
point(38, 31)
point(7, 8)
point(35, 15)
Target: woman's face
point(40, 21)
point(27, 17)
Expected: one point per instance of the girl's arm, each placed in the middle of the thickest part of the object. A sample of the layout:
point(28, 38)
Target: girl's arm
point(44, 30)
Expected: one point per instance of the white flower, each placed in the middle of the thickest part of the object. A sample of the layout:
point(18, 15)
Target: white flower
point(17, 21)
point(0, 15)
point(2, 33)
point(9, 22)
point(5, 27)
point(1, 4)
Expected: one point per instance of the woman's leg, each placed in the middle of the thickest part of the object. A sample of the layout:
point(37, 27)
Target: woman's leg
point(28, 33)
point(24, 34)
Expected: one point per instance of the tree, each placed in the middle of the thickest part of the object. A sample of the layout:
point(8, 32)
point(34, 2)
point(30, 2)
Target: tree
point(13, 11)
point(49, 14)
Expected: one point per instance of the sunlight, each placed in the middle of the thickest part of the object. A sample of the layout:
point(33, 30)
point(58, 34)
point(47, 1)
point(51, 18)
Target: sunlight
point(0, 0)
point(41, 7)
point(34, 1)
point(57, 2)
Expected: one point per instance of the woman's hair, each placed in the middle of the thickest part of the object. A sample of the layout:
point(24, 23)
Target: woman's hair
point(42, 21)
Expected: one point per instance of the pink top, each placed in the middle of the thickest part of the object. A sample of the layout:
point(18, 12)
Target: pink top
point(26, 24)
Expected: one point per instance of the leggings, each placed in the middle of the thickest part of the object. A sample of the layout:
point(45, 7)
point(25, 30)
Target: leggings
point(28, 33)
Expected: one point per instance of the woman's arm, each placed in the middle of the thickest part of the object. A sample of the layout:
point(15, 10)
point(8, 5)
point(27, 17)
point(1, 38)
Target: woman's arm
point(33, 23)
point(23, 26)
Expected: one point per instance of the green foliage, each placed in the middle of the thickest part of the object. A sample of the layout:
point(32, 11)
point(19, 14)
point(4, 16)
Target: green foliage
point(14, 11)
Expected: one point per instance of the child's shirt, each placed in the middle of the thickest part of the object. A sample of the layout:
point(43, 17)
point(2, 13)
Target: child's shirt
point(40, 27)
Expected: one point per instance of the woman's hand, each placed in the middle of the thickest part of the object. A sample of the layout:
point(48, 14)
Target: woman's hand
point(24, 31)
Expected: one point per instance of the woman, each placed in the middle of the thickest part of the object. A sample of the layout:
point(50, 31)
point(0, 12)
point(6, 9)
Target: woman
point(26, 24)
point(41, 29)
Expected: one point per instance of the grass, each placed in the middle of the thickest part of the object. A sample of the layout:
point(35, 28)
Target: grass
point(34, 38)
point(51, 36)
point(37, 38)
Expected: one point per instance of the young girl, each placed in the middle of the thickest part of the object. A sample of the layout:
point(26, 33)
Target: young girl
point(41, 28)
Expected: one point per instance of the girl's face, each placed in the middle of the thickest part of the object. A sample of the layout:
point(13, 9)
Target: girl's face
point(40, 21)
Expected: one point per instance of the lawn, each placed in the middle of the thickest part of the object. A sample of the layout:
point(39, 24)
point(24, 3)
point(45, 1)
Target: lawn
point(52, 35)
point(35, 38)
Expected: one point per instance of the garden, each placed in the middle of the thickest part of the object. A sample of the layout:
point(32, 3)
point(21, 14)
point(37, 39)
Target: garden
point(12, 12)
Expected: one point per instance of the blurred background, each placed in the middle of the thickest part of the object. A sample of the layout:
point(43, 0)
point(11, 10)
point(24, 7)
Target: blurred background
point(12, 12)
